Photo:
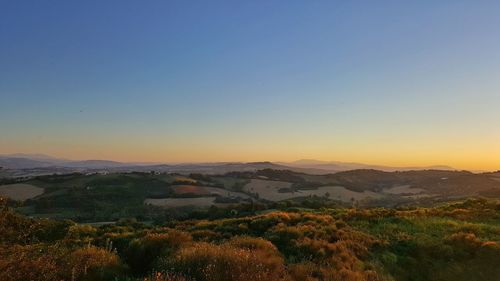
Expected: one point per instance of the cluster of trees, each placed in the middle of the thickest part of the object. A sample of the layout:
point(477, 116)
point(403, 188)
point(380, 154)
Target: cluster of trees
point(453, 242)
point(271, 174)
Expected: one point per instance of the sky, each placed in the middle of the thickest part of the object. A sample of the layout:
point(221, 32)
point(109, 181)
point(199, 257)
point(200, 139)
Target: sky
point(400, 83)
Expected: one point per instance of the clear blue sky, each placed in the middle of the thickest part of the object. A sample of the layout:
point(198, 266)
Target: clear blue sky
point(391, 82)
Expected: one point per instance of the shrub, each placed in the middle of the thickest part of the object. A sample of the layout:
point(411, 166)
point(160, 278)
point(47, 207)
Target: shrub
point(252, 243)
point(33, 262)
point(206, 235)
point(92, 263)
point(159, 276)
point(232, 261)
point(47, 263)
point(142, 253)
point(80, 233)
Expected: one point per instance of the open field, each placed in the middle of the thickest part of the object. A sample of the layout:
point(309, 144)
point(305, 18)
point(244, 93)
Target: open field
point(497, 178)
point(269, 190)
point(20, 191)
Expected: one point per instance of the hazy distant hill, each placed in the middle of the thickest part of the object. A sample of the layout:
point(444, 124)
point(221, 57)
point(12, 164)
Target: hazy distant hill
point(56, 165)
point(95, 164)
point(22, 163)
point(45, 165)
point(35, 156)
point(336, 166)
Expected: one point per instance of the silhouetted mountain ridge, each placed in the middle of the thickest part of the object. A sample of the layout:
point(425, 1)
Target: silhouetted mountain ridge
point(336, 166)
point(50, 164)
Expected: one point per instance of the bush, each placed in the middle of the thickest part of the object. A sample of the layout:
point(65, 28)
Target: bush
point(33, 262)
point(142, 253)
point(92, 263)
point(232, 261)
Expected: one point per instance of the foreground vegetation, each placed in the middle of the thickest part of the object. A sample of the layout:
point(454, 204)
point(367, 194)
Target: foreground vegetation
point(457, 241)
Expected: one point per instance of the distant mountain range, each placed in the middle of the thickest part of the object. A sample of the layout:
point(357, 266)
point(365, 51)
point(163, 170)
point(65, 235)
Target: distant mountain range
point(29, 161)
point(336, 166)
point(43, 164)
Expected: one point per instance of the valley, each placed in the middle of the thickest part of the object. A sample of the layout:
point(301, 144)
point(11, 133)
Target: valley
point(108, 196)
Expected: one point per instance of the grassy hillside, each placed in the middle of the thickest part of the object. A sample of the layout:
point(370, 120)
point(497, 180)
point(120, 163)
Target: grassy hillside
point(458, 241)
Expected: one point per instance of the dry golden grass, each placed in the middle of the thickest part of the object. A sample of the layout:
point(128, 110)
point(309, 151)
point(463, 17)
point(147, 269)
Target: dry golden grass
point(227, 262)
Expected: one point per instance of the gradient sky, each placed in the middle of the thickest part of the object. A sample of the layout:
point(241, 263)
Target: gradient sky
point(385, 82)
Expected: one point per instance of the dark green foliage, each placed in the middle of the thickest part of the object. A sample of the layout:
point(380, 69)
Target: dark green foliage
point(99, 197)
point(280, 175)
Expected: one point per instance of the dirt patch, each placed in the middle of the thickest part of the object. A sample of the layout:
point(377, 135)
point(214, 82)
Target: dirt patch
point(20, 191)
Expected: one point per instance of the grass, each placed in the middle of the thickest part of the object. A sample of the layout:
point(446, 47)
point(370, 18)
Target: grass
point(452, 242)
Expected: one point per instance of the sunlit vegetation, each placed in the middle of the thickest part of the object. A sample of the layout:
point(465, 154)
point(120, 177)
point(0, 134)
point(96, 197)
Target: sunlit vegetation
point(456, 242)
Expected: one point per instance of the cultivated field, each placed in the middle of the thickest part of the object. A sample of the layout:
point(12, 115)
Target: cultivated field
point(20, 191)
point(269, 190)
